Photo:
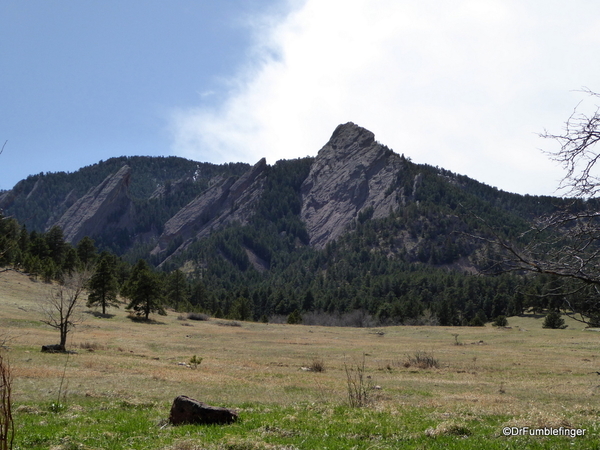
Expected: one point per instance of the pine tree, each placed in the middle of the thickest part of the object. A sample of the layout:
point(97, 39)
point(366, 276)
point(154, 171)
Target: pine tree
point(177, 290)
point(554, 320)
point(242, 309)
point(86, 251)
point(103, 286)
point(144, 291)
point(57, 247)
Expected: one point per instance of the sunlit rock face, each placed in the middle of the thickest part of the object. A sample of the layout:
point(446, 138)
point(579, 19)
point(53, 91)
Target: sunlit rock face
point(107, 205)
point(352, 173)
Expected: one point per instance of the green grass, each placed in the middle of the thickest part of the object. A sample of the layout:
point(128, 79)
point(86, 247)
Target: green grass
point(117, 424)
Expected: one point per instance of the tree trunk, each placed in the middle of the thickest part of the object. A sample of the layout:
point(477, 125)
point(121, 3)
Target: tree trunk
point(63, 338)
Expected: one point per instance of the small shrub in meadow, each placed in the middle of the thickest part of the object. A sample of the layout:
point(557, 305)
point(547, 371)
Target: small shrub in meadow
point(554, 320)
point(422, 360)
point(195, 361)
point(359, 384)
point(500, 321)
point(198, 316)
point(317, 365)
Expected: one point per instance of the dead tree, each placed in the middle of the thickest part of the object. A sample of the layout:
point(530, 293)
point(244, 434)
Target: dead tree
point(578, 153)
point(565, 244)
point(61, 308)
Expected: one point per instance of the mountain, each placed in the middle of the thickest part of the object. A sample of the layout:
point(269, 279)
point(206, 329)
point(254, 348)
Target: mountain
point(351, 174)
point(166, 204)
point(120, 202)
point(356, 228)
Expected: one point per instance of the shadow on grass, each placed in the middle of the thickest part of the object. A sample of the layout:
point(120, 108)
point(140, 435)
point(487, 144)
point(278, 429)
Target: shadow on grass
point(532, 315)
point(99, 315)
point(138, 319)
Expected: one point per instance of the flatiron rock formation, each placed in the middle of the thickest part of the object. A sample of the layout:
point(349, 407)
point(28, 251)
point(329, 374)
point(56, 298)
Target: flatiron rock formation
point(106, 205)
point(226, 202)
point(351, 174)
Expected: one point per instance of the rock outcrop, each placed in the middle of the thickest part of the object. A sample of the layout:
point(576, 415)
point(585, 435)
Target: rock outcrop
point(351, 174)
point(227, 201)
point(106, 205)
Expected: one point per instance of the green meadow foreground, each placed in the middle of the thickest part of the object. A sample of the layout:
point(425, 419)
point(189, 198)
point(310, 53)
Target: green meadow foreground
point(117, 389)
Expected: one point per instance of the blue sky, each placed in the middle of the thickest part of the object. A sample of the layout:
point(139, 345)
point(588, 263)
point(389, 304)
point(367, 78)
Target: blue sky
point(465, 85)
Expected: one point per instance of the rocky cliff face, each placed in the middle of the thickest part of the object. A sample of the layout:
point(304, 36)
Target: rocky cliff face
point(106, 206)
point(351, 174)
point(227, 201)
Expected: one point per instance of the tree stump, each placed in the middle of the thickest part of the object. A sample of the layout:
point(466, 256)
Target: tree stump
point(186, 410)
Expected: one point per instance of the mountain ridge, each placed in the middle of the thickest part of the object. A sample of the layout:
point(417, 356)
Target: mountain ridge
point(357, 229)
point(353, 178)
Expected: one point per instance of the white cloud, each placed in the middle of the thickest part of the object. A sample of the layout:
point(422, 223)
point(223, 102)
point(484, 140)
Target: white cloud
point(465, 85)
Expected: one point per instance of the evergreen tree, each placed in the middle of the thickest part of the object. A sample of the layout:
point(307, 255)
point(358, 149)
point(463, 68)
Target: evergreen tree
point(199, 296)
point(71, 260)
point(554, 320)
point(177, 290)
point(57, 246)
point(103, 286)
point(294, 318)
point(242, 309)
point(144, 291)
point(86, 251)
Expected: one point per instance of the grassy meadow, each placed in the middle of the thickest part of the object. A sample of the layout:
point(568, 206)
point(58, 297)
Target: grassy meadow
point(115, 392)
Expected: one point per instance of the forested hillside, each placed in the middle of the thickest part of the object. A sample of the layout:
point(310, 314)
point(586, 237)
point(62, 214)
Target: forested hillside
point(159, 185)
point(406, 246)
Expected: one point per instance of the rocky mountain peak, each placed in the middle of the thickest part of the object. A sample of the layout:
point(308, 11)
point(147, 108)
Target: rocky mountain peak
point(345, 135)
point(351, 174)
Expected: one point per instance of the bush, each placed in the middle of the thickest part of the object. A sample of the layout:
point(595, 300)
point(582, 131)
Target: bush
point(422, 360)
point(229, 323)
point(195, 362)
point(554, 320)
point(359, 384)
point(476, 322)
point(317, 365)
point(500, 321)
point(198, 316)
point(294, 318)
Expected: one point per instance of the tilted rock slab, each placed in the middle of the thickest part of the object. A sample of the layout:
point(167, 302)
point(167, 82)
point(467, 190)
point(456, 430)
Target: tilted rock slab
point(108, 204)
point(226, 202)
point(186, 410)
point(351, 173)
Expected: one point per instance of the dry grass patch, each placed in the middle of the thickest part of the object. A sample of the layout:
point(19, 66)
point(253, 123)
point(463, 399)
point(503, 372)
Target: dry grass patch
point(258, 362)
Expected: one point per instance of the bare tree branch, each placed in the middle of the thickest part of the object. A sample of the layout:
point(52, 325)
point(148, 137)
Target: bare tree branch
point(61, 308)
point(565, 244)
point(576, 154)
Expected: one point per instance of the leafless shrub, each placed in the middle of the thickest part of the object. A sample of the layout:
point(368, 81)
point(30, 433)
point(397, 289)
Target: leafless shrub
point(422, 360)
point(317, 365)
point(428, 318)
point(7, 426)
point(198, 316)
point(358, 383)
